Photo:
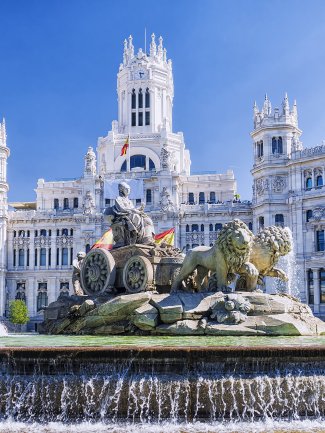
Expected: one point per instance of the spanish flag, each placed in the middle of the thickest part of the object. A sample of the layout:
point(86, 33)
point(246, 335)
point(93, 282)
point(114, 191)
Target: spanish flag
point(125, 147)
point(106, 241)
point(166, 237)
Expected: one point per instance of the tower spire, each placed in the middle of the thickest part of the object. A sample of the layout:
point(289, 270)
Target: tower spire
point(285, 105)
point(3, 135)
point(131, 47)
point(153, 46)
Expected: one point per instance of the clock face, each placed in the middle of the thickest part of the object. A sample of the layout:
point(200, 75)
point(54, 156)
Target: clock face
point(140, 74)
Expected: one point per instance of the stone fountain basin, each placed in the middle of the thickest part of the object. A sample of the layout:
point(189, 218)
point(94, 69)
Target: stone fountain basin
point(147, 313)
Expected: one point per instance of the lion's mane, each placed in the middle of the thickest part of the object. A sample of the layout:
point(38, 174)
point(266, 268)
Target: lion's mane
point(234, 257)
point(277, 240)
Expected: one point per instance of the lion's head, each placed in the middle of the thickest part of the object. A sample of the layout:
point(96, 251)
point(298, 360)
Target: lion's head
point(235, 241)
point(277, 241)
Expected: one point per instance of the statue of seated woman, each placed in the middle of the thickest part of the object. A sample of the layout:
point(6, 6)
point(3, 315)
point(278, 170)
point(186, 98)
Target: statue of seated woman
point(130, 225)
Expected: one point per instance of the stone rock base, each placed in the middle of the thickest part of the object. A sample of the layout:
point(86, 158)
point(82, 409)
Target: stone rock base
point(146, 313)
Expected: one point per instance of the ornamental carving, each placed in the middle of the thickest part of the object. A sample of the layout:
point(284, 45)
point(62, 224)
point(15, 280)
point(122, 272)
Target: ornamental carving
point(89, 203)
point(166, 203)
point(262, 185)
point(308, 173)
point(64, 241)
point(42, 241)
point(195, 237)
point(90, 162)
point(318, 171)
point(165, 158)
point(318, 213)
point(313, 151)
point(21, 242)
point(278, 183)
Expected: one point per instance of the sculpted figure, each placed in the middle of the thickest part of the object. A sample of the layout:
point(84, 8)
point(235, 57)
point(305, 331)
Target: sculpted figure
point(130, 225)
point(228, 256)
point(268, 246)
point(76, 264)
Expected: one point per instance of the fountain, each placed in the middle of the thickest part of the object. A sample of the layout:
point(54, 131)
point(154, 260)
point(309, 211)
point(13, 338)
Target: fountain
point(3, 330)
point(164, 387)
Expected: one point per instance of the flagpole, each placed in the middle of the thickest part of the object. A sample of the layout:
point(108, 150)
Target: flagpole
point(129, 152)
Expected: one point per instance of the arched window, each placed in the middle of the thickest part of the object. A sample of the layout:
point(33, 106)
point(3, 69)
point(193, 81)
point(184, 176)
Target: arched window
point(277, 146)
point(21, 233)
point(309, 183)
point(148, 196)
point(212, 197)
point(187, 228)
point(319, 180)
point(20, 292)
point(140, 99)
point(133, 100)
point(65, 232)
point(64, 256)
point(218, 226)
point(310, 285)
point(147, 98)
point(123, 167)
point(322, 285)
point(21, 257)
point(87, 248)
point(202, 227)
point(42, 232)
point(309, 215)
point(195, 227)
point(151, 165)
point(211, 227)
point(279, 220)
point(250, 226)
point(201, 198)
point(138, 161)
point(15, 233)
point(42, 257)
point(65, 203)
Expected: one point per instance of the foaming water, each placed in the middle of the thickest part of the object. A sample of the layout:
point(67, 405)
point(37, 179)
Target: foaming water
point(314, 426)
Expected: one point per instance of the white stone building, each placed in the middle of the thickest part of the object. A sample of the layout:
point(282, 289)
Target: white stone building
point(43, 237)
point(288, 190)
point(38, 240)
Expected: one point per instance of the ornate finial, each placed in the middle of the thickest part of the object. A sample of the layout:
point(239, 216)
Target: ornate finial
point(285, 104)
point(131, 47)
point(165, 55)
point(153, 46)
point(160, 48)
point(3, 135)
point(125, 52)
point(267, 108)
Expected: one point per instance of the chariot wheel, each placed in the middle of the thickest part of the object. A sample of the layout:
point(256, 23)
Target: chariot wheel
point(138, 274)
point(98, 272)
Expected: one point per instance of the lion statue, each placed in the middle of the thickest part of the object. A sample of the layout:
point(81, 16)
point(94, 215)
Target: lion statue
point(268, 246)
point(229, 256)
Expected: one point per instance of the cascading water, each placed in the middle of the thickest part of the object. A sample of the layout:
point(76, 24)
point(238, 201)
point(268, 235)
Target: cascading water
point(3, 330)
point(176, 387)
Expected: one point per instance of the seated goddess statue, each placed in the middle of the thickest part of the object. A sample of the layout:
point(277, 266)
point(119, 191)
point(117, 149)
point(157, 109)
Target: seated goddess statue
point(130, 225)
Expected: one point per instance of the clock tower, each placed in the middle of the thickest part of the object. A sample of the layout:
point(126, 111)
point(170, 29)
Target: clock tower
point(145, 89)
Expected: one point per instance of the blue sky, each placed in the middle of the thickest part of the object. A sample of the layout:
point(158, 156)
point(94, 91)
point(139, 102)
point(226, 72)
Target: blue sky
point(59, 59)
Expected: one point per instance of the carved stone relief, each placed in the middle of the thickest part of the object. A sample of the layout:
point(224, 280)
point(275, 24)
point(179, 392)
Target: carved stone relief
point(278, 183)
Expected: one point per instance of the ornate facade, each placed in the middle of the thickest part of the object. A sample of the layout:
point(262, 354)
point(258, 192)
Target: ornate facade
point(39, 240)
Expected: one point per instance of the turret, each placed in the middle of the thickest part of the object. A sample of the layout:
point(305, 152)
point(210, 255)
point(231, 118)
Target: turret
point(276, 133)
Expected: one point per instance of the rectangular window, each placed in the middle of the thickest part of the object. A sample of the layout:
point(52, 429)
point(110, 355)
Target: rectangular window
point(56, 203)
point(49, 257)
point(71, 256)
point(147, 99)
point(57, 256)
point(27, 258)
point(140, 118)
point(107, 201)
point(138, 201)
point(75, 202)
point(64, 256)
point(147, 117)
point(320, 240)
point(148, 196)
point(35, 257)
point(134, 119)
point(201, 198)
point(42, 257)
point(310, 283)
point(65, 203)
point(212, 197)
point(21, 257)
point(14, 257)
point(191, 198)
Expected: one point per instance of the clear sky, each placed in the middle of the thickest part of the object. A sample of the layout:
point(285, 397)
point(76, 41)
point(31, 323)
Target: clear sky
point(59, 60)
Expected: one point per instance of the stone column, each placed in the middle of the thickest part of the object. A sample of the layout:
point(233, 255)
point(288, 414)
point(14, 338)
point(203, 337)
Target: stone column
point(316, 290)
